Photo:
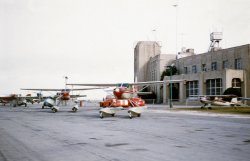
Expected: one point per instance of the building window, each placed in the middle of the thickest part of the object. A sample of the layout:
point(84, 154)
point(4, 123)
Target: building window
point(225, 64)
point(194, 69)
point(214, 86)
point(185, 70)
point(153, 75)
point(204, 67)
point(236, 83)
point(192, 88)
point(214, 66)
point(238, 63)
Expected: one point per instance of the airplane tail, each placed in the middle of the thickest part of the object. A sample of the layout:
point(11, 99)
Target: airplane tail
point(234, 100)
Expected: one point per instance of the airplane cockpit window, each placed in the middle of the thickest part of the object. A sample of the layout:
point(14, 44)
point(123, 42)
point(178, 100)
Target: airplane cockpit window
point(123, 85)
point(65, 90)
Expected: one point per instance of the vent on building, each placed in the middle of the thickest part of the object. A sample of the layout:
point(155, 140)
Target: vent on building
point(185, 52)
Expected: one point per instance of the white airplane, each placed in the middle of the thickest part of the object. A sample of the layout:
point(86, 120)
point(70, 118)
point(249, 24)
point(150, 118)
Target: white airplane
point(62, 96)
point(220, 100)
point(125, 97)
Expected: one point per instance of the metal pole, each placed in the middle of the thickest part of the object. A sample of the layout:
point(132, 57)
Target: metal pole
point(170, 101)
point(176, 27)
point(66, 79)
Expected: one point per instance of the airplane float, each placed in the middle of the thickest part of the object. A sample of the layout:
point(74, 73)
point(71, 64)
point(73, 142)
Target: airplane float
point(14, 100)
point(62, 96)
point(125, 97)
point(220, 100)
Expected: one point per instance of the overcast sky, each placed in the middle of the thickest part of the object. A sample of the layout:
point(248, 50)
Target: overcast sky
point(92, 41)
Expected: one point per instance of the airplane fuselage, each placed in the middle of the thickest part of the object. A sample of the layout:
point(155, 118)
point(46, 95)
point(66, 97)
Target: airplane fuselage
point(123, 93)
point(8, 98)
point(124, 97)
point(13, 100)
point(65, 96)
point(49, 102)
point(216, 102)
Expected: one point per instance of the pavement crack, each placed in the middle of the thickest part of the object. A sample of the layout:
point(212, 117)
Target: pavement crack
point(115, 145)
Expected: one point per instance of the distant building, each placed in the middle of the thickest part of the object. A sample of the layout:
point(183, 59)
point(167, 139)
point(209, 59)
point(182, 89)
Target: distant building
point(144, 50)
point(149, 64)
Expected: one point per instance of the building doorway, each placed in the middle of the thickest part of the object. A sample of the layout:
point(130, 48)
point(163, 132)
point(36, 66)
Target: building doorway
point(175, 91)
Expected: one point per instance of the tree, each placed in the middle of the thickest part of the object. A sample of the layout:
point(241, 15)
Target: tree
point(233, 91)
point(167, 72)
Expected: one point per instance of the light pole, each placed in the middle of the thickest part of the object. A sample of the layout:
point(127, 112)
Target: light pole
point(66, 79)
point(176, 27)
point(155, 34)
point(170, 78)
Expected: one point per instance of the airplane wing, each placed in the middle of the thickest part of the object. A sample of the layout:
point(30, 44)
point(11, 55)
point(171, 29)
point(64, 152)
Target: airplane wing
point(94, 84)
point(222, 96)
point(155, 82)
point(28, 97)
point(144, 93)
point(243, 98)
point(76, 96)
point(119, 84)
point(40, 89)
point(51, 89)
point(83, 89)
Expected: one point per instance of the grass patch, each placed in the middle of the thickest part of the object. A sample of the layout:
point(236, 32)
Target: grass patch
point(226, 110)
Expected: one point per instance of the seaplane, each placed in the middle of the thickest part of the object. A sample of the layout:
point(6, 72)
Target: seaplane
point(125, 96)
point(62, 97)
point(220, 100)
point(13, 100)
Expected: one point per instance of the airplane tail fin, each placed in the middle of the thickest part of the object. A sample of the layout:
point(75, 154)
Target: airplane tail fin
point(234, 100)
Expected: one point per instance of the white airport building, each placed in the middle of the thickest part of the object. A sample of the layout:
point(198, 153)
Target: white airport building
point(209, 73)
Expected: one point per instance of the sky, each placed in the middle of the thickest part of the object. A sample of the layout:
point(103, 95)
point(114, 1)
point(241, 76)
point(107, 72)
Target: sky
point(92, 41)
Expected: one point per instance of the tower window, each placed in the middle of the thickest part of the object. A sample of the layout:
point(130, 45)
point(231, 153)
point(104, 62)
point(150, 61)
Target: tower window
point(238, 63)
point(203, 67)
point(194, 69)
point(225, 64)
point(214, 66)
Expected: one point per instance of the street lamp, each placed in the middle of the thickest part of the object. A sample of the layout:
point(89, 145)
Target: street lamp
point(176, 27)
point(155, 34)
point(170, 78)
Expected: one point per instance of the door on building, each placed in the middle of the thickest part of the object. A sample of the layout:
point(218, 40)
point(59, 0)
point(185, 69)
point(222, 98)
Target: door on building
point(175, 91)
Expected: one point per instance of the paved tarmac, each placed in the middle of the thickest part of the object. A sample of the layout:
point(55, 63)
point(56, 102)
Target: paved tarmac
point(160, 134)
